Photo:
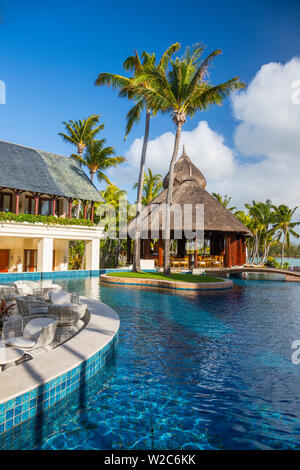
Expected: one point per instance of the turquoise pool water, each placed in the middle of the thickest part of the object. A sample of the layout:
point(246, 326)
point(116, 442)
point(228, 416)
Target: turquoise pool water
point(212, 371)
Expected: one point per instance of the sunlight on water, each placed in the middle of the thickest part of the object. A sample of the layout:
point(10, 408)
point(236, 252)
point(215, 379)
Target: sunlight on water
point(191, 372)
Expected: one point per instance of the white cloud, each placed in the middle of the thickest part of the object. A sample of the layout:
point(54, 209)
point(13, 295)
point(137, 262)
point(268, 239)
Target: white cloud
point(270, 120)
point(269, 128)
point(204, 146)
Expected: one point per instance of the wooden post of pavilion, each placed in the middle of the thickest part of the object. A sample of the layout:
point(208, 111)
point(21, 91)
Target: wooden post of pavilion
point(70, 208)
point(36, 204)
point(147, 249)
point(92, 211)
point(128, 250)
point(18, 194)
point(160, 252)
point(84, 209)
point(54, 198)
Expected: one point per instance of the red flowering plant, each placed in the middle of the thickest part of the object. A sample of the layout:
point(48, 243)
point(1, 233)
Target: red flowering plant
point(4, 310)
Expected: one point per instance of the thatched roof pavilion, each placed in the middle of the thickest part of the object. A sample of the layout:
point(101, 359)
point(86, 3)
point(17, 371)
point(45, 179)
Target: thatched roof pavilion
point(221, 227)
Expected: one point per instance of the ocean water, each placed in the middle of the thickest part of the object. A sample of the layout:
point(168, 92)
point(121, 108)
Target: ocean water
point(211, 371)
point(291, 261)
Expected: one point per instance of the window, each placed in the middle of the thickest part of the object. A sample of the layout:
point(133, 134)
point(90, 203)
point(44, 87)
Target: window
point(45, 206)
point(29, 205)
point(5, 202)
point(30, 260)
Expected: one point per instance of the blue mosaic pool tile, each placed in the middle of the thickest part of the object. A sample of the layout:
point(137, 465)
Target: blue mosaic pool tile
point(18, 410)
point(9, 414)
point(46, 404)
point(37, 276)
point(18, 400)
point(25, 416)
point(17, 419)
point(26, 396)
point(32, 402)
point(9, 424)
point(10, 404)
point(25, 406)
point(28, 405)
point(33, 393)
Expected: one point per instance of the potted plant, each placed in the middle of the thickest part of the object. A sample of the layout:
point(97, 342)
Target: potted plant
point(4, 311)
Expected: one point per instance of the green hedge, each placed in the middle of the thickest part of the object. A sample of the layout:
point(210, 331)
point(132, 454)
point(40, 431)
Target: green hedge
point(44, 219)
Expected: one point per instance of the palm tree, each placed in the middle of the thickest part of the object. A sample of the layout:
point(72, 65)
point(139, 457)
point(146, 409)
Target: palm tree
point(225, 201)
point(79, 133)
point(283, 223)
point(152, 186)
point(97, 159)
point(110, 220)
point(128, 90)
point(181, 92)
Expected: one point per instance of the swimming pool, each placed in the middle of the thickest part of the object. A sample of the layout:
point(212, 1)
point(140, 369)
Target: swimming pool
point(211, 371)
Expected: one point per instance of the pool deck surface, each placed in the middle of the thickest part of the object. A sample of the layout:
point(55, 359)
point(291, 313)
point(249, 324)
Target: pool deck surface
point(102, 327)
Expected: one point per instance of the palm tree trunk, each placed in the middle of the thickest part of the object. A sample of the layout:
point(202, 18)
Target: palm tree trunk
point(84, 252)
point(136, 267)
point(169, 201)
point(282, 249)
point(78, 208)
point(83, 257)
point(80, 153)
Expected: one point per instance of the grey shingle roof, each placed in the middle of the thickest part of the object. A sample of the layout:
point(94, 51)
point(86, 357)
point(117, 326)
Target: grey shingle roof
point(43, 172)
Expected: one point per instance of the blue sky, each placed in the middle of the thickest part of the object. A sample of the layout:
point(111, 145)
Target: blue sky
point(52, 51)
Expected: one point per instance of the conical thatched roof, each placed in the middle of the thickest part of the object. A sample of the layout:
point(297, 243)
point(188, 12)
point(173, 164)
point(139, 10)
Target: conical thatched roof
point(189, 189)
point(185, 170)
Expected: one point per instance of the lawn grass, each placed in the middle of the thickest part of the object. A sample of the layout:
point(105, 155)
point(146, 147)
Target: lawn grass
point(173, 277)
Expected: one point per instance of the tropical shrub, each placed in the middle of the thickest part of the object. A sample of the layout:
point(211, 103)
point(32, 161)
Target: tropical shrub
point(42, 219)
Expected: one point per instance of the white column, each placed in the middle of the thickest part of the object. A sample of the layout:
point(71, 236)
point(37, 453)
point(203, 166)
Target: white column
point(45, 255)
point(93, 254)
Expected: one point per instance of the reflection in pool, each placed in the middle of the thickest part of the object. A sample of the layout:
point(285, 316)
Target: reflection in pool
point(191, 372)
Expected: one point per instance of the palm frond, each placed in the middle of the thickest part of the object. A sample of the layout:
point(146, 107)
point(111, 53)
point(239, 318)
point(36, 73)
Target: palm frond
point(165, 59)
point(112, 79)
point(133, 116)
point(102, 176)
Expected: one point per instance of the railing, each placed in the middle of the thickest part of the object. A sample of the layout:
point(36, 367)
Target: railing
point(294, 268)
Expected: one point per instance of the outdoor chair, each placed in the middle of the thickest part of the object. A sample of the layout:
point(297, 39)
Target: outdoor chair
point(68, 314)
point(201, 262)
point(63, 297)
point(24, 288)
point(29, 332)
point(31, 306)
point(9, 293)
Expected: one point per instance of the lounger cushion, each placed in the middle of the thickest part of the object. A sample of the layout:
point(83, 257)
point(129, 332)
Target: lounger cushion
point(20, 342)
point(33, 285)
point(35, 326)
point(26, 289)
